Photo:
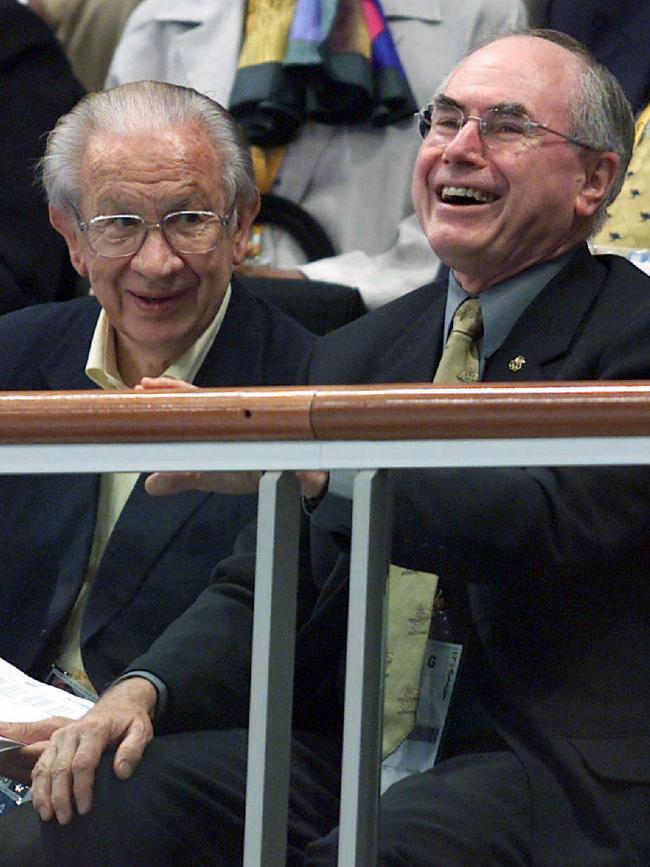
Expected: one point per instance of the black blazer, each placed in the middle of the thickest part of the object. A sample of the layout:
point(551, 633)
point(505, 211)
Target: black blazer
point(161, 552)
point(545, 569)
point(318, 305)
point(36, 87)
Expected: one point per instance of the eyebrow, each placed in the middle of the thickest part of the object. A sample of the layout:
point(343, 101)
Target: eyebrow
point(513, 108)
point(108, 206)
point(441, 100)
point(112, 207)
point(193, 202)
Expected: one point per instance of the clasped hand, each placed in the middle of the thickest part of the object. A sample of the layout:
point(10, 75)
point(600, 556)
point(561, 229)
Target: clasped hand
point(63, 754)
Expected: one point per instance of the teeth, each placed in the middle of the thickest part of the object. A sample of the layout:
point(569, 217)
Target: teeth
point(467, 193)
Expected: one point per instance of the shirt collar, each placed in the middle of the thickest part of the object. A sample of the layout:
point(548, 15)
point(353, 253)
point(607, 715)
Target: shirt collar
point(503, 303)
point(101, 365)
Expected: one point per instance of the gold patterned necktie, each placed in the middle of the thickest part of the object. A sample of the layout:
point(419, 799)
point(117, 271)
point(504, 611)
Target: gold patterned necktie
point(411, 594)
point(459, 361)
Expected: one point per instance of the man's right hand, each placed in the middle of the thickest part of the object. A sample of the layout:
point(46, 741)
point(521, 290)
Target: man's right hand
point(63, 777)
point(312, 483)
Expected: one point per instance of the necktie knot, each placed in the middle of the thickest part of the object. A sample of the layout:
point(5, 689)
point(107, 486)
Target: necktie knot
point(468, 319)
point(459, 361)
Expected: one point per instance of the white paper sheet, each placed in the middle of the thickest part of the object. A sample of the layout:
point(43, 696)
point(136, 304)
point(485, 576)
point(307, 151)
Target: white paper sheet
point(23, 699)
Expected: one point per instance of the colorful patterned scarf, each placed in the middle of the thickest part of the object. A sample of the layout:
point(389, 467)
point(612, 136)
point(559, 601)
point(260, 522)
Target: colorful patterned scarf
point(332, 61)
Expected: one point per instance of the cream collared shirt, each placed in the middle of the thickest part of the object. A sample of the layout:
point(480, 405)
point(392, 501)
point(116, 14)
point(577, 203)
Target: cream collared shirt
point(115, 488)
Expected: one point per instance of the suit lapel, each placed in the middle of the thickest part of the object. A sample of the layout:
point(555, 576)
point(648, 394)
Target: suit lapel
point(64, 365)
point(143, 530)
point(147, 524)
point(415, 355)
point(545, 331)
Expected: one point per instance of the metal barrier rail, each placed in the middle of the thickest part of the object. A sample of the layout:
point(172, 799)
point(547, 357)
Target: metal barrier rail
point(368, 428)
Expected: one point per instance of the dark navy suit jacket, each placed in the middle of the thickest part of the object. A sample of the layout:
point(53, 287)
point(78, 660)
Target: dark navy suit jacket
point(545, 569)
point(161, 552)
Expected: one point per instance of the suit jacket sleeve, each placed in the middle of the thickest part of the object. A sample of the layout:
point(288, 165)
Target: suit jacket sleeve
point(204, 656)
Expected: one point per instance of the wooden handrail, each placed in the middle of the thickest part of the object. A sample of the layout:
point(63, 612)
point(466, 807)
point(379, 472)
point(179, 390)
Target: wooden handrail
point(315, 419)
point(369, 412)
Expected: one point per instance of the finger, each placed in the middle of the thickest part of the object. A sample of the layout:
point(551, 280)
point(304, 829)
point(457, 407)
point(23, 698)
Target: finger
point(163, 484)
point(83, 767)
point(60, 773)
point(165, 382)
point(237, 483)
point(42, 783)
point(32, 732)
point(313, 483)
point(130, 751)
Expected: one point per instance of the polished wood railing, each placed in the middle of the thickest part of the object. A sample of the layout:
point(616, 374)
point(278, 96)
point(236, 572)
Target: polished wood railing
point(404, 411)
point(368, 428)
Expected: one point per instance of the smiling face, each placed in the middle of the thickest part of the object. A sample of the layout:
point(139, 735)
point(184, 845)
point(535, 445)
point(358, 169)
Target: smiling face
point(490, 213)
point(158, 301)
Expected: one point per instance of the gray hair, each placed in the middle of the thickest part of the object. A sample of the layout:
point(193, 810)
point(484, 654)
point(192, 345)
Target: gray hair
point(600, 115)
point(138, 106)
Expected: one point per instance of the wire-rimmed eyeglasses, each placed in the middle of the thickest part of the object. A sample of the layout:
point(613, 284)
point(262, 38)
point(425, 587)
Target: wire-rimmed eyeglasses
point(116, 236)
point(499, 126)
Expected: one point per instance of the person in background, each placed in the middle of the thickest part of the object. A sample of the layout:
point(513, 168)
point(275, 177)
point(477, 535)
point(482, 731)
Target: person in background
point(627, 228)
point(89, 30)
point(542, 572)
point(352, 177)
point(615, 31)
point(36, 86)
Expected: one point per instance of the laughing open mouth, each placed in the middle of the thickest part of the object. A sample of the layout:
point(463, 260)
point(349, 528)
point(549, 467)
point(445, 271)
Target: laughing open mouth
point(466, 196)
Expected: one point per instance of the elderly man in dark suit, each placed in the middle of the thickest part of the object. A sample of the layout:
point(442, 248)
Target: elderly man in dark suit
point(544, 571)
point(151, 186)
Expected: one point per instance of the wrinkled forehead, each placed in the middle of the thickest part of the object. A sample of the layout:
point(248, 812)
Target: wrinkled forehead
point(150, 150)
point(533, 72)
point(172, 162)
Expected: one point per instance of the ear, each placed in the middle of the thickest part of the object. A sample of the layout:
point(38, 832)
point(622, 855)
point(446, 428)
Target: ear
point(245, 219)
point(65, 225)
point(600, 171)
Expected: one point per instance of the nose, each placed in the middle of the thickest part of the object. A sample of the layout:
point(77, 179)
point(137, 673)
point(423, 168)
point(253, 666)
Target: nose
point(156, 258)
point(467, 145)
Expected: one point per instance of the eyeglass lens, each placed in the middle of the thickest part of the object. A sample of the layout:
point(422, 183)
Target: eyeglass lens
point(496, 125)
point(185, 231)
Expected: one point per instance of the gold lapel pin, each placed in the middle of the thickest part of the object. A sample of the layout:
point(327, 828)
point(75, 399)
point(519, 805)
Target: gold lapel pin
point(515, 364)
